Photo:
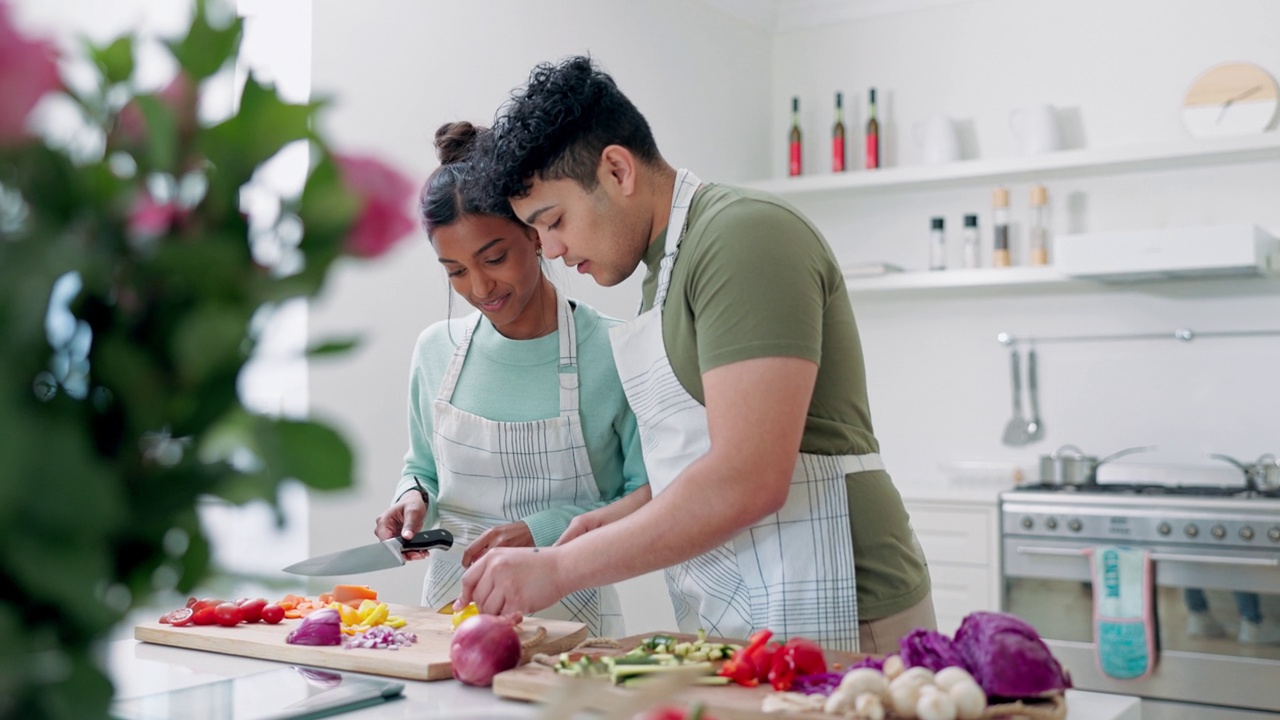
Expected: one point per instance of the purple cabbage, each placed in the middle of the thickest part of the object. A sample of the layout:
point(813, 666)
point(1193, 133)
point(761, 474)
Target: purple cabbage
point(1007, 657)
point(929, 649)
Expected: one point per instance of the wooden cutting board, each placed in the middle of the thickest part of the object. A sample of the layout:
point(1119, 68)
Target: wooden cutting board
point(538, 683)
point(427, 659)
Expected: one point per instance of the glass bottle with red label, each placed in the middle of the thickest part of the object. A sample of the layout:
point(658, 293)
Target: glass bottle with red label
point(795, 137)
point(837, 137)
point(873, 134)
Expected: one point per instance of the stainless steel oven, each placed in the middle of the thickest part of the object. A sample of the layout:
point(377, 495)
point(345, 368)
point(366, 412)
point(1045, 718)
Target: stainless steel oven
point(1217, 594)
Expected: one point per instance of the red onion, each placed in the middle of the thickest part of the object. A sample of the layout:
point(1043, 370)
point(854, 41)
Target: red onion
point(483, 646)
point(322, 627)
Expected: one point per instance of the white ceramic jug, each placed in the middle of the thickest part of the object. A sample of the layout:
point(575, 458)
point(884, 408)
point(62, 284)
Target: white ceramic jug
point(1036, 129)
point(938, 139)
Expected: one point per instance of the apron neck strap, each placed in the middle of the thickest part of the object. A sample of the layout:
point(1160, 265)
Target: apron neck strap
point(686, 185)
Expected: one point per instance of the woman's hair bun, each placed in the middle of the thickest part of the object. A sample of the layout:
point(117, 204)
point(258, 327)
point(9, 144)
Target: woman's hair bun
point(454, 141)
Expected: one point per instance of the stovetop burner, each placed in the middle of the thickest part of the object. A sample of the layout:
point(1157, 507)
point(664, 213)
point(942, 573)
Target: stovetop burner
point(1231, 491)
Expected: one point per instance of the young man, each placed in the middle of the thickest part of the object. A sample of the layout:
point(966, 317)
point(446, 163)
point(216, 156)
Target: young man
point(745, 372)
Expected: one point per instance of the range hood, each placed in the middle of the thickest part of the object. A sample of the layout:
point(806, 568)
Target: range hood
point(1174, 253)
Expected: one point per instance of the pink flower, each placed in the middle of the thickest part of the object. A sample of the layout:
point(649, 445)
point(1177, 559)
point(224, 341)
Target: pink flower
point(384, 199)
point(150, 219)
point(28, 70)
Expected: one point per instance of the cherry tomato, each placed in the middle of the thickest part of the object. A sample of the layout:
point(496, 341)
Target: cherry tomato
point(227, 614)
point(251, 610)
point(203, 603)
point(181, 617)
point(272, 614)
point(204, 616)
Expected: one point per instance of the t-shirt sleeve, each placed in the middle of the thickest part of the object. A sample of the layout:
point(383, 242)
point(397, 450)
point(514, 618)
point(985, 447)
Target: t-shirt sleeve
point(420, 460)
point(757, 287)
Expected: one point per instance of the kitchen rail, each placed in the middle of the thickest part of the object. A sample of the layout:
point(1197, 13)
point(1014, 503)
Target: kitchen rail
point(1183, 334)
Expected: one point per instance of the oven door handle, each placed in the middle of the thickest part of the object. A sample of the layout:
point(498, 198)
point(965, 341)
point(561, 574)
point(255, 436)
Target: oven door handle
point(1158, 557)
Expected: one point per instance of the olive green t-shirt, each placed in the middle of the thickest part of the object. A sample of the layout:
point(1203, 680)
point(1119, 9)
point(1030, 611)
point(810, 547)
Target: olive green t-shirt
point(755, 279)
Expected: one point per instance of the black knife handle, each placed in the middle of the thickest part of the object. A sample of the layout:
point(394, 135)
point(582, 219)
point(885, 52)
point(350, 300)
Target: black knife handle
point(428, 539)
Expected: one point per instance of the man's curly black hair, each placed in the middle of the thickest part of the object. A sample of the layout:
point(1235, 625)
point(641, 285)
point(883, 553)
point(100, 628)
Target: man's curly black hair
point(557, 126)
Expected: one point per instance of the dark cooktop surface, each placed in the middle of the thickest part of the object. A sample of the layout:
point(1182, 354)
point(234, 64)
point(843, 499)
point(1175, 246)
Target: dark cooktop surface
point(1233, 491)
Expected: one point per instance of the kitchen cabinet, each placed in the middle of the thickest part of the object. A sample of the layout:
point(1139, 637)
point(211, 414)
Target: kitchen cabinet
point(961, 545)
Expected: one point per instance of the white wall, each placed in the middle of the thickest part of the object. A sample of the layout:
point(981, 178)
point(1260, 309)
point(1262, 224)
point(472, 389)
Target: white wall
point(938, 380)
point(398, 70)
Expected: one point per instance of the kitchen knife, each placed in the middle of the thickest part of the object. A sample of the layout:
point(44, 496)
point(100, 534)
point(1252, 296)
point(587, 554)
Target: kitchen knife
point(367, 558)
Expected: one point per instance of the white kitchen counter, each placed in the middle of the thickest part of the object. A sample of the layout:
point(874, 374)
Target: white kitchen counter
point(142, 668)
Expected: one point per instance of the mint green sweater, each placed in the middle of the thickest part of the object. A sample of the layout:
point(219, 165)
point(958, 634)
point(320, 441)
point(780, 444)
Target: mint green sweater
point(516, 381)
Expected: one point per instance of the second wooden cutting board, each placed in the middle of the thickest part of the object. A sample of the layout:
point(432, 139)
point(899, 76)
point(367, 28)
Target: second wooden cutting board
point(428, 659)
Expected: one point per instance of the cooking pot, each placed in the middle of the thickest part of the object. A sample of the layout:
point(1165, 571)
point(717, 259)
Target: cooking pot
point(1068, 465)
point(1266, 472)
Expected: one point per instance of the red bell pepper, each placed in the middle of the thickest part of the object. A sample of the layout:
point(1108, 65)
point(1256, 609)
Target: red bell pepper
point(796, 658)
point(743, 667)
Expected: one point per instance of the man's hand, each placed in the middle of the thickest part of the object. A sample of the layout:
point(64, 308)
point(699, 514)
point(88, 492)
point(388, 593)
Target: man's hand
point(404, 518)
point(601, 516)
point(516, 534)
point(512, 580)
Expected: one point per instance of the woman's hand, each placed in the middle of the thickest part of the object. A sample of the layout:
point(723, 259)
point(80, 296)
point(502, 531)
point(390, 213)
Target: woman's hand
point(613, 512)
point(404, 518)
point(516, 534)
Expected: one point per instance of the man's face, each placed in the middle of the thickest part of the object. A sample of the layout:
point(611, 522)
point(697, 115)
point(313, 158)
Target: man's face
point(598, 232)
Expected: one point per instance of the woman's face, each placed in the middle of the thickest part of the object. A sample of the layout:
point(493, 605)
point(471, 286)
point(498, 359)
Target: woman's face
point(492, 262)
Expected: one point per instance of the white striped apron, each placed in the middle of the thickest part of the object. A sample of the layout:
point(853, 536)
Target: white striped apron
point(492, 473)
point(791, 572)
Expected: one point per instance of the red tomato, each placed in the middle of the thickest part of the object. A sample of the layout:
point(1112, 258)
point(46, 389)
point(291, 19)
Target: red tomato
point(203, 603)
point(272, 614)
point(251, 610)
point(227, 614)
point(180, 617)
point(204, 616)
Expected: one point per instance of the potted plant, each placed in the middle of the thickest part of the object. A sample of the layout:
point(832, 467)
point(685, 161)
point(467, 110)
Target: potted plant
point(132, 289)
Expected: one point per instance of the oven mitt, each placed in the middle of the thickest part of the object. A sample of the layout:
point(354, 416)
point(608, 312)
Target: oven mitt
point(1124, 627)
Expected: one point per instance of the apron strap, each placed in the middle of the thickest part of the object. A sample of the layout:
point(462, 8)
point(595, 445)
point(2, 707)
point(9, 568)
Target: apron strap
point(686, 185)
point(568, 364)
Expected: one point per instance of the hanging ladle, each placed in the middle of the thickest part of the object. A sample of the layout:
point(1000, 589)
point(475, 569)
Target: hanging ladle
point(1015, 431)
point(1035, 426)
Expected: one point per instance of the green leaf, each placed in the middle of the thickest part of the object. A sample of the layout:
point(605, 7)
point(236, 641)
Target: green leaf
point(313, 453)
point(333, 347)
point(208, 340)
point(162, 133)
point(206, 49)
point(115, 61)
point(261, 128)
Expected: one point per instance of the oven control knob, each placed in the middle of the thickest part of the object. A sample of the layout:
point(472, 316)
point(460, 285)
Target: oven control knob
point(1164, 528)
point(1075, 525)
point(1051, 523)
point(1274, 534)
point(1246, 533)
point(1191, 530)
point(1218, 532)
point(1027, 522)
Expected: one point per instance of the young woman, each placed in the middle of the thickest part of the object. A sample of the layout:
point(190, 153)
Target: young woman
point(517, 420)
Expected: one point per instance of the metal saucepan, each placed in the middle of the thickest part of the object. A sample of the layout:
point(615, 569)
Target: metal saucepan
point(1267, 472)
point(1068, 465)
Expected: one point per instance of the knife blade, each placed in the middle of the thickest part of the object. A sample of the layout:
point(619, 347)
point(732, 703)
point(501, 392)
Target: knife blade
point(367, 558)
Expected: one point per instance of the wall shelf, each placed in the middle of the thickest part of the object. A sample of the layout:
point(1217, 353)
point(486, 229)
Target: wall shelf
point(1063, 164)
point(976, 281)
point(1000, 282)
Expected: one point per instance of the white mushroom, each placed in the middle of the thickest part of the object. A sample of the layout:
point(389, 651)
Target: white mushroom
point(950, 676)
point(916, 675)
point(893, 666)
point(935, 704)
point(904, 697)
point(969, 699)
point(865, 680)
point(840, 702)
point(868, 707)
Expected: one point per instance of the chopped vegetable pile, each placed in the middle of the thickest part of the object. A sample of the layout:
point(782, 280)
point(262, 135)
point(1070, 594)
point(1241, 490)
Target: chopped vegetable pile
point(657, 654)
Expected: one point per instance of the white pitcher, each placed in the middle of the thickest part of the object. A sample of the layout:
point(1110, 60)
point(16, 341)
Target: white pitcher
point(1036, 129)
point(938, 139)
